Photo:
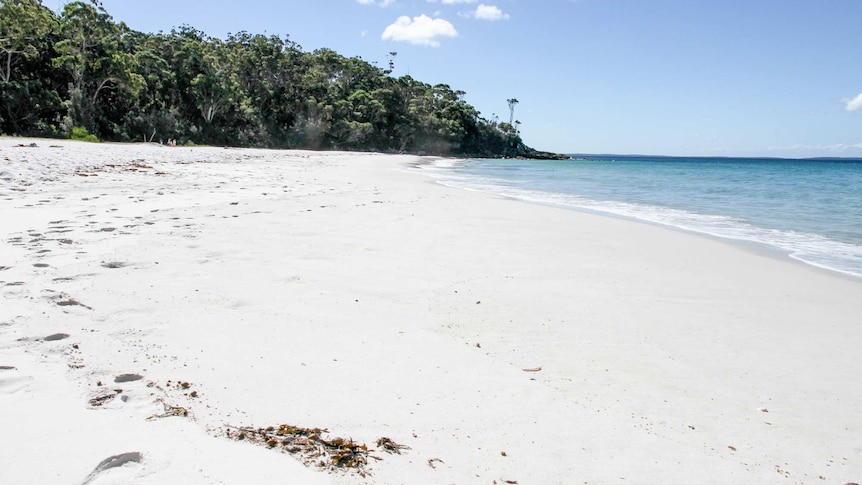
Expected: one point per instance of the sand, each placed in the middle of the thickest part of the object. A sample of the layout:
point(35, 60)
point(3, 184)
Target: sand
point(350, 292)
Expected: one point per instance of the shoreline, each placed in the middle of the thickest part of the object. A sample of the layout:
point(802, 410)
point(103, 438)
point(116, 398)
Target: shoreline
point(342, 290)
point(762, 247)
point(757, 248)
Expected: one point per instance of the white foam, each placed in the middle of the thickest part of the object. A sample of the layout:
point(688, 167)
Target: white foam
point(812, 249)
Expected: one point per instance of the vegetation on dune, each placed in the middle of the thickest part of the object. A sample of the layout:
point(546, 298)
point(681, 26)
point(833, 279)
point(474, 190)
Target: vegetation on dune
point(81, 74)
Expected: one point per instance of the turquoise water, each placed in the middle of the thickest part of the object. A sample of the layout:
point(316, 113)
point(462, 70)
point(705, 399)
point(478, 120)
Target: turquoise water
point(810, 210)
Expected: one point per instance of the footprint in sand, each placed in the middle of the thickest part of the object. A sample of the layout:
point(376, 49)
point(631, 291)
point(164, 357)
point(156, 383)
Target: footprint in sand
point(11, 381)
point(135, 392)
point(117, 462)
point(127, 378)
point(55, 337)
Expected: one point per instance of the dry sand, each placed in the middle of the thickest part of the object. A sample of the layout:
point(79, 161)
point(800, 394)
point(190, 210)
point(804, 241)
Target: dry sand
point(347, 291)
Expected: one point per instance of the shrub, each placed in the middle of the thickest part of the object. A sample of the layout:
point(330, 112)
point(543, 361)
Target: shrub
point(81, 134)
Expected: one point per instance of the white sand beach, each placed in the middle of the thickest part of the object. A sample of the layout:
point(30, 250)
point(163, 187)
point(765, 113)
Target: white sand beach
point(347, 291)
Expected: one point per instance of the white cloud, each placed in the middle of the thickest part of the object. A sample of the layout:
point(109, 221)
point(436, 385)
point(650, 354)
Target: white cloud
point(422, 30)
point(854, 104)
point(489, 12)
point(452, 2)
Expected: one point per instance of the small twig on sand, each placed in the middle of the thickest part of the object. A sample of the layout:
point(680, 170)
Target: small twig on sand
point(170, 411)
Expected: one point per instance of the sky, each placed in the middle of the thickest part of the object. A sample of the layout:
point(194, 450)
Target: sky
point(777, 78)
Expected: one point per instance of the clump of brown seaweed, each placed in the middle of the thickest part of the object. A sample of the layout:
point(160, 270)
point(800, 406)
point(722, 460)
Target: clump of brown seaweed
point(389, 446)
point(313, 449)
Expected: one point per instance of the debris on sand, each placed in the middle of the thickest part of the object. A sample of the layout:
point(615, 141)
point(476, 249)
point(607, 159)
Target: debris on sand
point(72, 302)
point(389, 446)
point(170, 411)
point(312, 448)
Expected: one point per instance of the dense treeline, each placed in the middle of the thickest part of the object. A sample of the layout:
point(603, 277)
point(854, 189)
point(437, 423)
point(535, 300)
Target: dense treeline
point(81, 73)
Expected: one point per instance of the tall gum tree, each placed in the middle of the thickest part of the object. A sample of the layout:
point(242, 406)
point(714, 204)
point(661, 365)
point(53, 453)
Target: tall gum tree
point(23, 26)
point(91, 53)
point(214, 88)
point(29, 98)
point(512, 102)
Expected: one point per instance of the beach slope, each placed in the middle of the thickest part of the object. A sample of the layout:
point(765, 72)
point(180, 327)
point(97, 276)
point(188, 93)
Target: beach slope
point(152, 299)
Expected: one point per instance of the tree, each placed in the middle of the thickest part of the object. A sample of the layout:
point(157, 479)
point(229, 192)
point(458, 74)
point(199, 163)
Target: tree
point(90, 52)
point(152, 112)
point(266, 70)
point(391, 58)
point(82, 69)
point(29, 98)
point(23, 26)
point(512, 102)
point(214, 88)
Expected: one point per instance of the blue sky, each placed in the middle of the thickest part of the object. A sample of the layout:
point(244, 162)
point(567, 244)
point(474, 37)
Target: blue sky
point(669, 77)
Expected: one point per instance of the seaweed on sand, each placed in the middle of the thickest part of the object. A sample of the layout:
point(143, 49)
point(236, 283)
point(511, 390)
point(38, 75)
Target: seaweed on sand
point(389, 446)
point(311, 447)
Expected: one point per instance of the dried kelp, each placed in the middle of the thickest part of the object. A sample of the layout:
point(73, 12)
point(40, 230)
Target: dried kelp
point(310, 446)
point(389, 446)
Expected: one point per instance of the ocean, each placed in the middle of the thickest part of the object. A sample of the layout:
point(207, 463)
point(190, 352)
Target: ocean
point(809, 210)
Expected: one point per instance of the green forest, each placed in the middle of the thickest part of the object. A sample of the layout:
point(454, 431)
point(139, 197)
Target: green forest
point(82, 75)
